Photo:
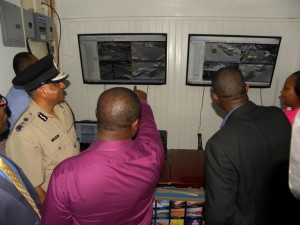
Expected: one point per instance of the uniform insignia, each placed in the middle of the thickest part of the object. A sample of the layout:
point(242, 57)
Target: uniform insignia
point(55, 137)
point(42, 117)
point(23, 122)
point(19, 128)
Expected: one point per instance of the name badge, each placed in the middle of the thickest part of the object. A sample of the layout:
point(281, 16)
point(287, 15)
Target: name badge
point(55, 137)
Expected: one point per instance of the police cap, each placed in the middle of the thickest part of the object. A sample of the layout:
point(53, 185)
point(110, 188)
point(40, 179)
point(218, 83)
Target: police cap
point(42, 72)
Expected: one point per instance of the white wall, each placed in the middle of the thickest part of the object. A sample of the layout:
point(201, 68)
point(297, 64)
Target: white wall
point(6, 56)
point(7, 53)
point(177, 106)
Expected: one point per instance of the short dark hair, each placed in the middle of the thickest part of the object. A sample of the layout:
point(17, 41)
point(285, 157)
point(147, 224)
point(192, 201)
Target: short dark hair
point(297, 85)
point(117, 108)
point(21, 61)
point(229, 83)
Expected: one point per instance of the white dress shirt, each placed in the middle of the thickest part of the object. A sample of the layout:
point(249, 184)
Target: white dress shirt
point(294, 166)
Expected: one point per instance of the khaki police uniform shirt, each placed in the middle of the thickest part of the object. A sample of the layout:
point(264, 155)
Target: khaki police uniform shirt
point(39, 141)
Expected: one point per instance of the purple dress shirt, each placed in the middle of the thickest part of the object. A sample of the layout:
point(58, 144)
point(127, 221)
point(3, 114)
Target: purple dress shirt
point(112, 182)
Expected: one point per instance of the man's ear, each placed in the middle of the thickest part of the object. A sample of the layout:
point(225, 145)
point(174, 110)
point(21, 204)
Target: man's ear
point(247, 87)
point(135, 127)
point(40, 91)
point(215, 97)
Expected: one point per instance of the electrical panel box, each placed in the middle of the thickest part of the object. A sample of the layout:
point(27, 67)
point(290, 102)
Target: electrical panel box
point(43, 27)
point(11, 24)
point(50, 30)
point(40, 27)
point(28, 24)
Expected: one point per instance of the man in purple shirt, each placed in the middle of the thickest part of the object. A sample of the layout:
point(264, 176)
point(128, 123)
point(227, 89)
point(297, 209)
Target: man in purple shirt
point(114, 180)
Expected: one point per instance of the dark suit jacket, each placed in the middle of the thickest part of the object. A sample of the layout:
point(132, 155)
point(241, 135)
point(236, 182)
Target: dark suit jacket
point(246, 169)
point(14, 208)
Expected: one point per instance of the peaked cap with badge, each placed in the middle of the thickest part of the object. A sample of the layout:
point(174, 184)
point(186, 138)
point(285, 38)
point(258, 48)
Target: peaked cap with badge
point(44, 71)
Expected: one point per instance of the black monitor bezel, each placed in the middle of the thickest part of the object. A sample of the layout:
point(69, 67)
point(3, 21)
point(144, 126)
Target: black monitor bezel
point(251, 84)
point(124, 82)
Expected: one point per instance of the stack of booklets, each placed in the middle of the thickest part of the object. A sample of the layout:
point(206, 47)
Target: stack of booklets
point(178, 206)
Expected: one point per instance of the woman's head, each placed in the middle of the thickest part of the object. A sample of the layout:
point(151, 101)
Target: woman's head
point(290, 93)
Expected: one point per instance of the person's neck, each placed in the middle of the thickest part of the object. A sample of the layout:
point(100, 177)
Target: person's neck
point(229, 106)
point(109, 135)
point(45, 106)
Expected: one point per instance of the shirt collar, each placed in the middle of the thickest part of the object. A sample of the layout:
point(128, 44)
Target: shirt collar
point(36, 108)
point(227, 116)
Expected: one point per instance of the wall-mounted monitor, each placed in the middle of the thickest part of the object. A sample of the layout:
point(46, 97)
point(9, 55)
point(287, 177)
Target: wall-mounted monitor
point(255, 56)
point(123, 58)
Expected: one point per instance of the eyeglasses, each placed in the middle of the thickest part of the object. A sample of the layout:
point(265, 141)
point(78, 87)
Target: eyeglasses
point(3, 101)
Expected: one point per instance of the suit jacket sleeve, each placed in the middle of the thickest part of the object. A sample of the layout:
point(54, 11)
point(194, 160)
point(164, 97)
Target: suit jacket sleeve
point(221, 180)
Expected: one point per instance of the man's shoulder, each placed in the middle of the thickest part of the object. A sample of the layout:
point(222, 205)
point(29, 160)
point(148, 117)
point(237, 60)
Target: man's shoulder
point(15, 90)
point(65, 106)
point(254, 111)
point(271, 108)
point(25, 120)
point(69, 165)
point(273, 113)
point(16, 93)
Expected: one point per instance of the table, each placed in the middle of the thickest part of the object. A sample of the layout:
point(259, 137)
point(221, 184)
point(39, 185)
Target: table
point(183, 168)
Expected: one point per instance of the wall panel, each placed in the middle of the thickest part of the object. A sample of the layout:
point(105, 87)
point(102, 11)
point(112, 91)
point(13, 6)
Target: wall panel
point(177, 106)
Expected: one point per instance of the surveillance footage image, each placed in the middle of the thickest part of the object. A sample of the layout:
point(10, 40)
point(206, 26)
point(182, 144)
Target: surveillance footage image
point(129, 61)
point(124, 58)
point(255, 56)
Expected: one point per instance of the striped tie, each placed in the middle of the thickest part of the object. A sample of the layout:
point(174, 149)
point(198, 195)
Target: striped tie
point(14, 178)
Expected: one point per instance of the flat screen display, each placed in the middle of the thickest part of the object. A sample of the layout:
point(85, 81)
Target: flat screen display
point(87, 132)
point(255, 56)
point(123, 58)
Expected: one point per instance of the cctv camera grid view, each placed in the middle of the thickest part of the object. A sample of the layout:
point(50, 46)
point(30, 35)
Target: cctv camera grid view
point(135, 62)
point(255, 59)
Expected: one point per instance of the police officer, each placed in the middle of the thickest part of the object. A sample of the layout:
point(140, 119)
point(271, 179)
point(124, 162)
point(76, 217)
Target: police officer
point(44, 135)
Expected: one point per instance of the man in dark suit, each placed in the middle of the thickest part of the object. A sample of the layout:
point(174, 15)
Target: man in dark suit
point(19, 203)
point(246, 165)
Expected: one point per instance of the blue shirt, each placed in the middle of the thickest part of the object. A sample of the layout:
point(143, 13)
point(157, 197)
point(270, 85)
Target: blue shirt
point(18, 101)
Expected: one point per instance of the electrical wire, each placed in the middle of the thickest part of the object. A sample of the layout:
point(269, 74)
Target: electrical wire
point(58, 47)
point(28, 45)
point(200, 115)
point(48, 47)
point(261, 101)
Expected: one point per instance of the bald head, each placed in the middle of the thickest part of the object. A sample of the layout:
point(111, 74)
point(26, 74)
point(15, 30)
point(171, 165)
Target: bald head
point(229, 84)
point(117, 109)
